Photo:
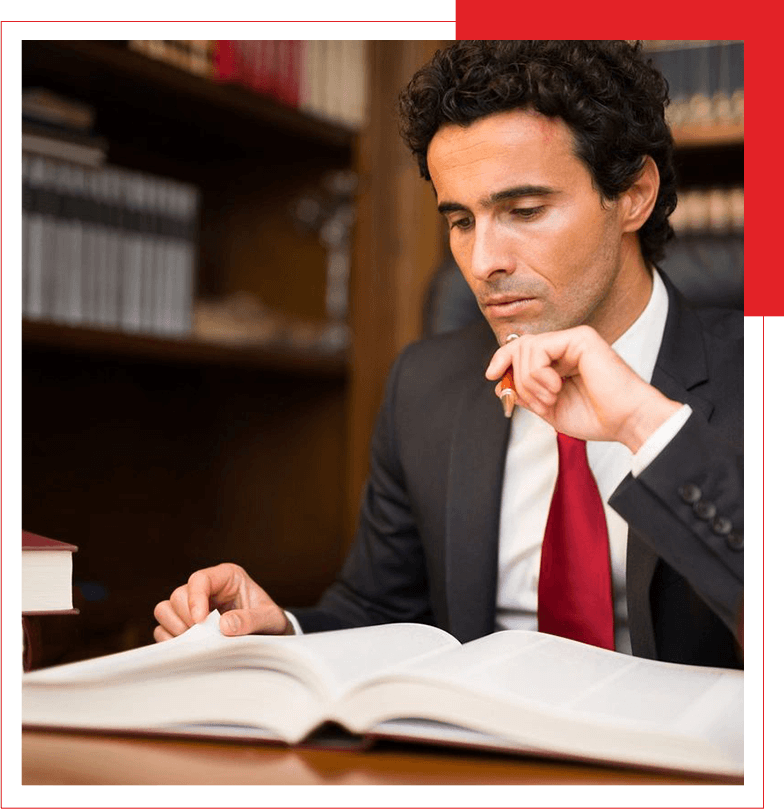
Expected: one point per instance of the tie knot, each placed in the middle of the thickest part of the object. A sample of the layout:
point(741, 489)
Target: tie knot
point(568, 445)
point(569, 439)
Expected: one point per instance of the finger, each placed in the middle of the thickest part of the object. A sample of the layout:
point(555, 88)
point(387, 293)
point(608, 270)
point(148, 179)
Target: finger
point(179, 601)
point(160, 634)
point(499, 362)
point(218, 584)
point(549, 378)
point(169, 620)
point(269, 620)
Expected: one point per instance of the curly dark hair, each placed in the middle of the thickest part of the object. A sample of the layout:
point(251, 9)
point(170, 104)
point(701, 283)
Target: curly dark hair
point(606, 91)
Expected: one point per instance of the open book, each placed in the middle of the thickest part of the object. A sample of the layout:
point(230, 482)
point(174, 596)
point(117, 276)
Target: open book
point(514, 691)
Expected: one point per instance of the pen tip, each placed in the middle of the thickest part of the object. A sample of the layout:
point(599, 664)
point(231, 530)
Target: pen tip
point(508, 401)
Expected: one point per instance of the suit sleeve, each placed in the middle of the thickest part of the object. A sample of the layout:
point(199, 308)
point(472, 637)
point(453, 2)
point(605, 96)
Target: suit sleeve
point(384, 577)
point(687, 505)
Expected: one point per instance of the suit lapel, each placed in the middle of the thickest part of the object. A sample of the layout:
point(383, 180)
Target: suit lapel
point(680, 368)
point(476, 470)
point(682, 365)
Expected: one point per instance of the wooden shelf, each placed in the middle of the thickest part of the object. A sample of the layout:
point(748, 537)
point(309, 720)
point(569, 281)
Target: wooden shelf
point(99, 69)
point(701, 136)
point(182, 350)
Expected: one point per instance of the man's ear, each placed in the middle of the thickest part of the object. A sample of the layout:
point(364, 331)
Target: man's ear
point(639, 199)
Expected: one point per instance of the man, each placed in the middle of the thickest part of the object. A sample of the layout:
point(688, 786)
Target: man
point(552, 165)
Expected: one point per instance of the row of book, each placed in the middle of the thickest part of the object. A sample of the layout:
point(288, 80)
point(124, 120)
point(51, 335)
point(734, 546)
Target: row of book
point(705, 79)
point(709, 210)
point(324, 78)
point(107, 247)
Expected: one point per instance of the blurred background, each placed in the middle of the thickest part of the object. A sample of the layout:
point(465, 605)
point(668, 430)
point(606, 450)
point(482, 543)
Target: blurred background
point(225, 246)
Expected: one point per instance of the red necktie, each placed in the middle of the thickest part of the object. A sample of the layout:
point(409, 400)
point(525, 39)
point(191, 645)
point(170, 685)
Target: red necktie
point(575, 587)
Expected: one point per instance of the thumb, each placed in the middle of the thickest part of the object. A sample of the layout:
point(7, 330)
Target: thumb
point(269, 620)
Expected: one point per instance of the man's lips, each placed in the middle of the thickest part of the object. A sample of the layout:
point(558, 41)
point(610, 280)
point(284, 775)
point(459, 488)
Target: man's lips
point(506, 305)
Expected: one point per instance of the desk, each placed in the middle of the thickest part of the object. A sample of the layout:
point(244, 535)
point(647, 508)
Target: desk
point(80, 758)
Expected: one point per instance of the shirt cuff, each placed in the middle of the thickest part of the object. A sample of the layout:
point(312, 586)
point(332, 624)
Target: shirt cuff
point(659, 439)
point(294, 622)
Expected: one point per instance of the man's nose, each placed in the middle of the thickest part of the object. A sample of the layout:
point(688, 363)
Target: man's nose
point(490, 253)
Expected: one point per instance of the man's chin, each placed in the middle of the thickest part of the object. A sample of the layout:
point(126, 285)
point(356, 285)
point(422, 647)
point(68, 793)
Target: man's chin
point(506, 330)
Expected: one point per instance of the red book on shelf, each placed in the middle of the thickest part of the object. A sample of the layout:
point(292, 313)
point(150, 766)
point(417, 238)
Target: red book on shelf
point(268, 67)
point(224, 59)
point(290, 72)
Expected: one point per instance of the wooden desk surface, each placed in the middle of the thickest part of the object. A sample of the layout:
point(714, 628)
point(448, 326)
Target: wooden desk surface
point(80, 758)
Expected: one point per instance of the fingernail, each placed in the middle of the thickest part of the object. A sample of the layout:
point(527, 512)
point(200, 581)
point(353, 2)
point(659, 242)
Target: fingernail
point(232, 623)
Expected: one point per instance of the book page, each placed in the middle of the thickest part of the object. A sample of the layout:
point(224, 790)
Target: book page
point(329, 662)
point(539, 692)
point(200, 641)
point(353, 655)
point(556, 673)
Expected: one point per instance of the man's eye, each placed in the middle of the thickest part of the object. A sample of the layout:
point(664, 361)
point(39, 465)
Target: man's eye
point(527, 213)
point(460, 224)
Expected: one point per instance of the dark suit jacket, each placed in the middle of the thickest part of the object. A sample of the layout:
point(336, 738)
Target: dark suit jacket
point(427, 544)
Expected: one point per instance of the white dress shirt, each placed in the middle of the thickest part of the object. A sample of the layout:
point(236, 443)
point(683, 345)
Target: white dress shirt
point(529, 480)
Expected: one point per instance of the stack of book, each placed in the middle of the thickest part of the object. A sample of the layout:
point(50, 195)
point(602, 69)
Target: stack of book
point(46, 586)
point(59, 127)
point(325, 78)
point(705, 78)
point(107, 247)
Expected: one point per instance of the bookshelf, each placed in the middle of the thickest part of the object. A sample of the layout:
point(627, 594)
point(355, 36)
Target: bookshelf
point(706, 90)
point(158, 454)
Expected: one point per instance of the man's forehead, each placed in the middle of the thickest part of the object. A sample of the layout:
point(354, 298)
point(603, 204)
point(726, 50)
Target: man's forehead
point(513, 148)
point(510, 126)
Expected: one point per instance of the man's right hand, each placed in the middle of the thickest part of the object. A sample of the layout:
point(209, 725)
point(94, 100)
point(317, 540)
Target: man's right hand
point(245, 607)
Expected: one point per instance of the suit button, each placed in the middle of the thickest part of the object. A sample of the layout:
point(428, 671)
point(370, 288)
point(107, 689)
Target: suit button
point(690, 493)
point(735, 541)
point(705, 510)
point(721, 526)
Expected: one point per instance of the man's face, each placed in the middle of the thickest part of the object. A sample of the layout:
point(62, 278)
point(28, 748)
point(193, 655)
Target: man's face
point(529, 231)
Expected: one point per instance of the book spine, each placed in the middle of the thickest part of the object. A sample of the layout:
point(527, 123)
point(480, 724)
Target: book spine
point(39, 236)
point(148, 216)
point(224, 61)
point(27, 213)
point(112, 271)
point(97, 262)
point(187, 214)
point(61, 149)
point(333, 81)
point(709, 210)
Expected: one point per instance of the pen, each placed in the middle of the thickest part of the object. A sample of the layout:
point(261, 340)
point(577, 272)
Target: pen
point(507, 393)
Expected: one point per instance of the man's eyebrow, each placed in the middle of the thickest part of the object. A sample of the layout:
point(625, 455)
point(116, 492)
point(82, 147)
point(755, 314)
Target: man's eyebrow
point(500, 196)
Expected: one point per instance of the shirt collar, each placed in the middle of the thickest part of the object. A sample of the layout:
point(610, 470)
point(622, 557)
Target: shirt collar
point(639, 345)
